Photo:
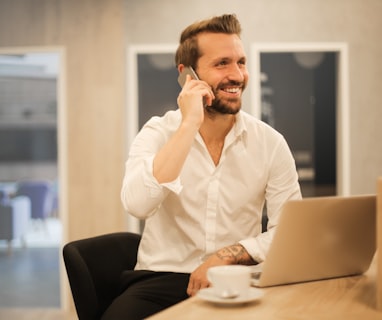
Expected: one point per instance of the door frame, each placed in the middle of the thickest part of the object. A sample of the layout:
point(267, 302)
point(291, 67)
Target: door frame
point(342, 98)
point(62, 150)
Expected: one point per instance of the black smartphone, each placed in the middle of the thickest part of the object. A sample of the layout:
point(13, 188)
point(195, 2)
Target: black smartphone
point(184, 73)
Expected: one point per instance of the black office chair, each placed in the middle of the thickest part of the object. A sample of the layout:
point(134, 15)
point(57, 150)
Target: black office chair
point(94, 266)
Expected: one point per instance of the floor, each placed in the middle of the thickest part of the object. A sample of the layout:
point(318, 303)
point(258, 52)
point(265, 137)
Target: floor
point(29, 276)
point(36, 314)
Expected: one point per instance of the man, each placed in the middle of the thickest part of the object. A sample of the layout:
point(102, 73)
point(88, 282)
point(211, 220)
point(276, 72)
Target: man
point(200, 177)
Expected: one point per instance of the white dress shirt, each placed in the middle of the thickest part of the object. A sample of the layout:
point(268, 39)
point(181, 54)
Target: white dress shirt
point(208, 207)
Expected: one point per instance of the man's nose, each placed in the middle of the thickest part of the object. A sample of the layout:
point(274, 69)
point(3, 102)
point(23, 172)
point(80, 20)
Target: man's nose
point(237, 73)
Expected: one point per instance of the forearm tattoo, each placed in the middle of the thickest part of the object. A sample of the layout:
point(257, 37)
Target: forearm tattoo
point(235, 254)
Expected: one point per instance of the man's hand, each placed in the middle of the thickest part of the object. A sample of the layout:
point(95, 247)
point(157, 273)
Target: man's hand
point(235, 254)
point(191, 101)
point(169, 160)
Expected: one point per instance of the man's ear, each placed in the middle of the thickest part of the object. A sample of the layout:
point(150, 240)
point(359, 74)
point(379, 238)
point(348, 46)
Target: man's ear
point(180, 67)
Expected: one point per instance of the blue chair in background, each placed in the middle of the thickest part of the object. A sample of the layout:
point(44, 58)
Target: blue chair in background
point(14, 218)
point(40, 195)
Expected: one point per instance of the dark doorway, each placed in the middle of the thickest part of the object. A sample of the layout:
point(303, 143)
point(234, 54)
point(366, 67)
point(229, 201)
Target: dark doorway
point(298, 93)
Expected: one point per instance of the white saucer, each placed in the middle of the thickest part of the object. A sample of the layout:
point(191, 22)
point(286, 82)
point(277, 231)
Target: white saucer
point(207, 294)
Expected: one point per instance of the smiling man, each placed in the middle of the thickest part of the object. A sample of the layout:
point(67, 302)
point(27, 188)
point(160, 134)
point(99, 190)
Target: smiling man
point(200, 177)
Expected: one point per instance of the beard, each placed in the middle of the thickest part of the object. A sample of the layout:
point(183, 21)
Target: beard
point(232, 106)
point(228, 106)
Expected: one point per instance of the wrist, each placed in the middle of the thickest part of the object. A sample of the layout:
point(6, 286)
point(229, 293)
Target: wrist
point(190, 126)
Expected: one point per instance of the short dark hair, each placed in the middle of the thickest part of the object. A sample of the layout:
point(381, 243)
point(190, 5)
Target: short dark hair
point(188, 51)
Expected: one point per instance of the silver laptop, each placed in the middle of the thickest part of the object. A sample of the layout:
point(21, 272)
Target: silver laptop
point(320, 238)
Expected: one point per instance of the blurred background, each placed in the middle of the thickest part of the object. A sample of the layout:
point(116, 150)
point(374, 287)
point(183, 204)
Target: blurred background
point(79, 78)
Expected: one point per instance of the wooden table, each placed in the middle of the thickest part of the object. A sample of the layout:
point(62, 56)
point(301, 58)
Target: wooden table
point(342, 298)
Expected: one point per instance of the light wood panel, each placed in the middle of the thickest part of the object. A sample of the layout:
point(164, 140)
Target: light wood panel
point(91, 34)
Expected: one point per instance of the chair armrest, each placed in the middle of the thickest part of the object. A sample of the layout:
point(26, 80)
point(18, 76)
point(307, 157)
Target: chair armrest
point(94, 266)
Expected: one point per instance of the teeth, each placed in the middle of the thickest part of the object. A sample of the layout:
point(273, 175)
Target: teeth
point(232, 90)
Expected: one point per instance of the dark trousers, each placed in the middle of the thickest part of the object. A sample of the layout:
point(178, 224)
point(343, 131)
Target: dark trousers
point(144, 293)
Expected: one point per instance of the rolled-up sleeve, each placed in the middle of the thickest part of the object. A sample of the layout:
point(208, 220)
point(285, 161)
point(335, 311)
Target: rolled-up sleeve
point(141, 194)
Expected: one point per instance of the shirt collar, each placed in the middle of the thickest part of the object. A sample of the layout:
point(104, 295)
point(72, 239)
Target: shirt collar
point(240, 128)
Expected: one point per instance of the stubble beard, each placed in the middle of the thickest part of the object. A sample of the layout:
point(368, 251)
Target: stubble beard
point(229, 106)
point(218, 107)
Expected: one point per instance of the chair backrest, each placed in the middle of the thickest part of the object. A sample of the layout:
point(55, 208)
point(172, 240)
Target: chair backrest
point(94, 267)
point(379, 244)
point(14, 217)
point(40, 195)
point(2, 194)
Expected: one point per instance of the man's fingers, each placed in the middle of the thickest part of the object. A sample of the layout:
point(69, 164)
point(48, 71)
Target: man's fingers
point(194, 285)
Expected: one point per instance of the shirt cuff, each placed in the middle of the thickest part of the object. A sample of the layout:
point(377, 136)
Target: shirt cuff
point(251, 246)
point(155, 187)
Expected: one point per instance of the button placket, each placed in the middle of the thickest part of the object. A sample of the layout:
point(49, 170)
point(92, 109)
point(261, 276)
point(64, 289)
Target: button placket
point(211, 214)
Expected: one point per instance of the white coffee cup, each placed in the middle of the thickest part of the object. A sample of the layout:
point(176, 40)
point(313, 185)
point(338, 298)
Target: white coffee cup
point(230, 281)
